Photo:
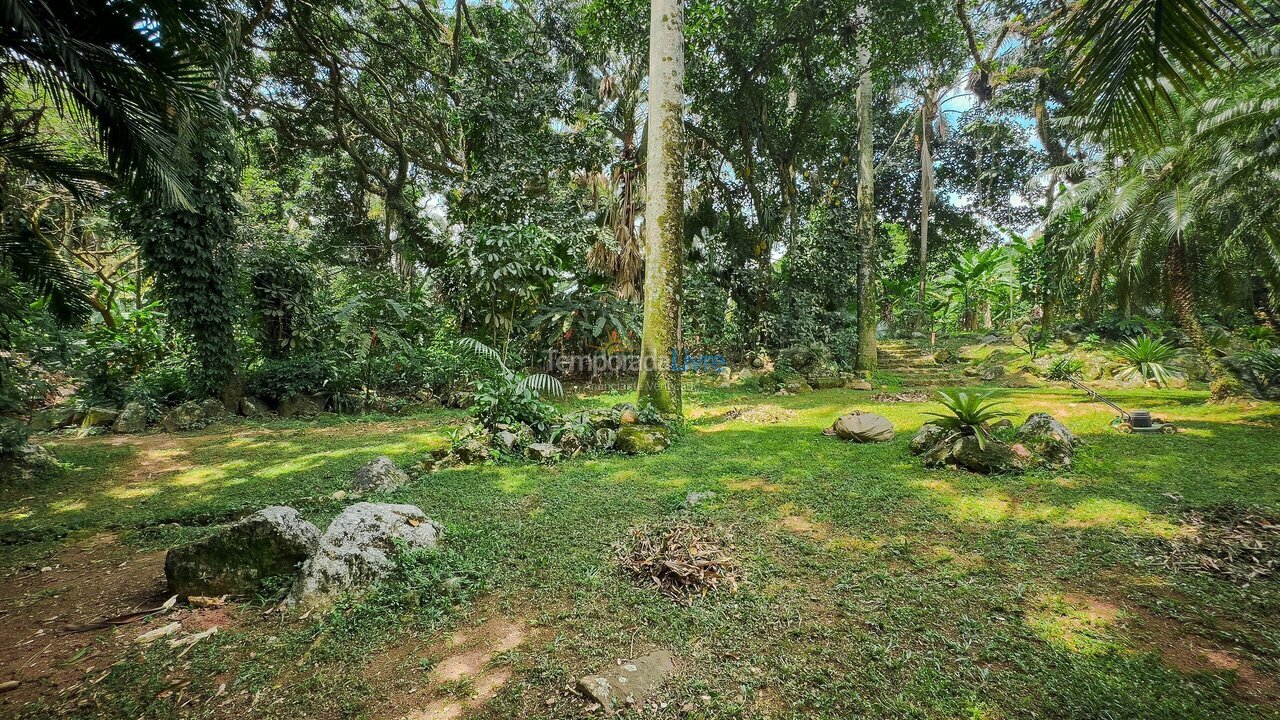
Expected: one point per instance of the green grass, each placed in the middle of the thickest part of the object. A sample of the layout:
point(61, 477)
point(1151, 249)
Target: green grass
point(874, 588)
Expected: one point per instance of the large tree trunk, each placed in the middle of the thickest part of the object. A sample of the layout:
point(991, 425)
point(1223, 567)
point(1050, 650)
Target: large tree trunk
point(867, 302)
point(660, 345)
point(926, 199)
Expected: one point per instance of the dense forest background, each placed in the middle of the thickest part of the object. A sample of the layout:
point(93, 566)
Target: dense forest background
point(284, 198)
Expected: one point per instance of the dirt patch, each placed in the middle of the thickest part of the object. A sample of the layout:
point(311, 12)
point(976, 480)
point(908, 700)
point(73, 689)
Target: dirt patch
point(1190, 653)
point(85, 582)
point(1178, 645)
point(461, 676)
point(754, 484)
point(908, 396)
point(760, 414)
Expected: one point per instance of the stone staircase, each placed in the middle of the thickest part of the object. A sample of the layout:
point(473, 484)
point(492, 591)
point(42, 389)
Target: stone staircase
point(917, 366)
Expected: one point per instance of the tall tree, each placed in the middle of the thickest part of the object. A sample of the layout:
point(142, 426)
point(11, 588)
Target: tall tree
point(867, 302)
point(659, 381)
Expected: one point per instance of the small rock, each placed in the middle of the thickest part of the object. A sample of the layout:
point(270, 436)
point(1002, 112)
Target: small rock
point(213, 409)
point(506, 440)
point(339, 495)
point(605, 438)
point(378, 475)
point(696, 498)
point(858, 384)
point(1049, 439)
point(99, 417)
point(630, 682)
point(542, 452)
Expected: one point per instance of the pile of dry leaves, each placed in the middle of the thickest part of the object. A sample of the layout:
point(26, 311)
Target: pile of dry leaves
point(1233, 542)
point(760, 414)
point(906, 396)
point(682, 559)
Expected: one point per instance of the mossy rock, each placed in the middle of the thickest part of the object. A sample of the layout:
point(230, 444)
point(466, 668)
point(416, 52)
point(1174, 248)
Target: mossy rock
point(642, 439)
point(245, 557)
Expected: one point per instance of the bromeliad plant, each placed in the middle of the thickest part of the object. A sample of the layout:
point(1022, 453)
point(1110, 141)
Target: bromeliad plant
point(1148, 358)
point(1064, 368)
point(969, 413)
point(511, 397)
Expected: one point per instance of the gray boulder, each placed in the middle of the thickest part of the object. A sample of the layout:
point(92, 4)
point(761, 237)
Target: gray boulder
point(186, 416)
point(52, 419)
point(358, 549)
point(301, 405)
point(506, 440)
point(605, 438)
point(989, 458)
point(240, 559)
point(252, 407)
point(927, 438)
point(133, 419)
point(1049, 439)
point(378, 475)
point(863, 427)
point(213, 409)
point(542, 452)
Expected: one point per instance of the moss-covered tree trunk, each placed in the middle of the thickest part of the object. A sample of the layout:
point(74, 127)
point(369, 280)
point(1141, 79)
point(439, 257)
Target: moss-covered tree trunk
point(659, 382)
point(867, 302)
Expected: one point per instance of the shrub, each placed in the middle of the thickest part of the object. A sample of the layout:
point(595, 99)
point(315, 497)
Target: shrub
point(1148, 358)
point(1264, 364)
point(511, 397)
point(969, 413)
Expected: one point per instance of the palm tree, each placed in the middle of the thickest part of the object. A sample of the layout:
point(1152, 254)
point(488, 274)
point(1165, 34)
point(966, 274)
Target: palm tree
point(135, 74)
point(1199, 198)
point(659, 382)
point(1134, 59)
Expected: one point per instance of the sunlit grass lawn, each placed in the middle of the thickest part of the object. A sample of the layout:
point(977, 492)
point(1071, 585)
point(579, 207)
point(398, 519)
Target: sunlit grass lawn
point(874, 588)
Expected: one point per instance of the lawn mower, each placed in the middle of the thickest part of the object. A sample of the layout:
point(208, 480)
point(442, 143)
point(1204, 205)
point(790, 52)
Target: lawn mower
point(1138, 421)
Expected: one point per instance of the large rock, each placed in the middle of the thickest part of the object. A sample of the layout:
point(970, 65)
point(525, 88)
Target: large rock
point(242, 558)
point(213, 409)
point(642, 439)
point(628, 683)
point(378, 475)
point(186, 416)
point(863, 427)
point(301, 405)
point(1048, 439)
point(358, 549)
point(99, 417)
point(927, 438)
point(133, 419)
point(53, 419)
point(252, 407)
point(989, 458)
